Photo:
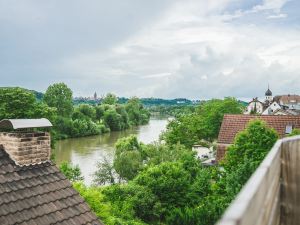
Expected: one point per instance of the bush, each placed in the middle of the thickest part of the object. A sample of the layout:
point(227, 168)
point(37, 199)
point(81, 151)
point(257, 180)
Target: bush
point(73, 173)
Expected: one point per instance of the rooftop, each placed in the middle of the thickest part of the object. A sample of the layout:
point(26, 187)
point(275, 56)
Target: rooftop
point(39, 194)
point(233, 124)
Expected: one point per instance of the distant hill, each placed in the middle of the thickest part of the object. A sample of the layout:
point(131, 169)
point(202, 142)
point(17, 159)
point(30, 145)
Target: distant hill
point(147, 102)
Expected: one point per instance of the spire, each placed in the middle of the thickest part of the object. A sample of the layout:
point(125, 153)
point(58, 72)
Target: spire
point(268, 92)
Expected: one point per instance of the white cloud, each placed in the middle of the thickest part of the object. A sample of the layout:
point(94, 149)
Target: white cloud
point(200, 55)
point(274, 5)
point(191, 49)
point(277, 16)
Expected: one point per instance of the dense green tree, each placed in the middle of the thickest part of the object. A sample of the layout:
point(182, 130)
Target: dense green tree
point(59, 95)
point(136, 112)
point(124, 115)
point(99, 112)
point(113, 120)
point(88, 111)
point(169, 181)
point(128, 158)
point(105, 173)
point(19, 103)
point(110, 99)
point(73, 173)
point(250, 145)
point(249, 149)
point(204, 124)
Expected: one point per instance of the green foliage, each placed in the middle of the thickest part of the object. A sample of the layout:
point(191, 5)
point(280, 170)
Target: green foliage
point(128, 158)
point(250, 145)
point(204, 124)
point(170, 186)
point(88, 111)
point(19, 103)
point(113, 120)
point(136, 112)
point(110, 99)
point(99, 112)
point(59, 95)
point(169, 181)
point(73, 173)
point(94, 197)
point(105, 173)
point(294, 132)
point(172, 110)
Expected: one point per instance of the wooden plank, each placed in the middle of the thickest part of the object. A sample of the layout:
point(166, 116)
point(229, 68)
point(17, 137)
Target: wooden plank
point(255, 203)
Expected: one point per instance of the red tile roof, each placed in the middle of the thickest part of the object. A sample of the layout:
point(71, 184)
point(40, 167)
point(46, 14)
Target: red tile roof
point(233, 124)
point(287, 99)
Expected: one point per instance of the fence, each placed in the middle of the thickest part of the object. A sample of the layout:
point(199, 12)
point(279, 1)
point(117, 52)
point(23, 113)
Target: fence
point(272, 194)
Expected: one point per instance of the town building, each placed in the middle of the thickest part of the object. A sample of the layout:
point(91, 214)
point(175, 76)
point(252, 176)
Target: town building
point(278, 105)
point(255, 106)
point(233, 124)
point(32, 188)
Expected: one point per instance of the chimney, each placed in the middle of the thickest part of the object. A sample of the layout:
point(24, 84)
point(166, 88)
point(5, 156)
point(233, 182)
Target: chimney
point(26, 147)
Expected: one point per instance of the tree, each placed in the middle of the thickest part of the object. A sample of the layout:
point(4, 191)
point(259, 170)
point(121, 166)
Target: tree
point(128, 158)
point(105, 173)
point(60, 96)
point(136, 112)
point(250, 145)
point(110, 99)
point(113, 120)
point(99, 112)
point(169, 182)
point(73, 173)
point(87, 110)
point(19, 103)
point(204, 124)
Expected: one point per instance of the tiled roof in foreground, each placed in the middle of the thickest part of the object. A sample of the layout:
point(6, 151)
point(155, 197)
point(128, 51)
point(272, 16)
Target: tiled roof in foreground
point(233, 124)
point(39, 195)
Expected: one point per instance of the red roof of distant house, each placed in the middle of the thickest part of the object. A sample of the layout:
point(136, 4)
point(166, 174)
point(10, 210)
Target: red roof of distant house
point(287, 99)
point(233, 124)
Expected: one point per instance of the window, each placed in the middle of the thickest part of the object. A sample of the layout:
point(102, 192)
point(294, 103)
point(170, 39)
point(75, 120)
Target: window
point(288, 129)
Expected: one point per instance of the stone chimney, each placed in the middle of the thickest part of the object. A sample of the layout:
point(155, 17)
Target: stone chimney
point(26, 148)
point(23, 146)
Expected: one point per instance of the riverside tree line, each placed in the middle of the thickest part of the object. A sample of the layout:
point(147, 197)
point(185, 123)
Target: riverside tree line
point(69, 120)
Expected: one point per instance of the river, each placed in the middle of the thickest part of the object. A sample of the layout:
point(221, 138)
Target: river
point(87, 151)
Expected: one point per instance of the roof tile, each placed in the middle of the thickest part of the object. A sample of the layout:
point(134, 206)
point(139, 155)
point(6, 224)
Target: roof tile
point(39, 195)
point(233, 124)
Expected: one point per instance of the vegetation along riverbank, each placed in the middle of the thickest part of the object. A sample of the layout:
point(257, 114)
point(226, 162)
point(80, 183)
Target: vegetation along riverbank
point(71, 120)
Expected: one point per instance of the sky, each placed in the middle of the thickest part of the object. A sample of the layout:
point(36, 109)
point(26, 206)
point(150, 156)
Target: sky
point(196, 49)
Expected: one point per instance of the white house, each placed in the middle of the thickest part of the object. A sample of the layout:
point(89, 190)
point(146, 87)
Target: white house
point(273, 107)
point(278, 105)
point(255, 106)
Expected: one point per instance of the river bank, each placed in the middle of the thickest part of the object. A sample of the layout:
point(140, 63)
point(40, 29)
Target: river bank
point(87, 151)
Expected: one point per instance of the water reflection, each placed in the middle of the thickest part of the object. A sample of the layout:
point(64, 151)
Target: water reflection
point(87, 151)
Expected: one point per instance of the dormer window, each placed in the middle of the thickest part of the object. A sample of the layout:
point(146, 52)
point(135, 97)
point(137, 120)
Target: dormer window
point(288, 129)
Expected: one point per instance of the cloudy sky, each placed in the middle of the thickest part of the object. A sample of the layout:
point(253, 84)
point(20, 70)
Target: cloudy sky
point(162, 48)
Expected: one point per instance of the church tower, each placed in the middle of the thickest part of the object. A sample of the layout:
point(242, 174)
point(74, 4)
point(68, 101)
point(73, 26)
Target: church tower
point(269, 95)
point(95, 96)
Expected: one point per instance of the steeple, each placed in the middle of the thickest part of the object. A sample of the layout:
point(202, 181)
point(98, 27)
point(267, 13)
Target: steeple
point(95, 96)
point(269, 94)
